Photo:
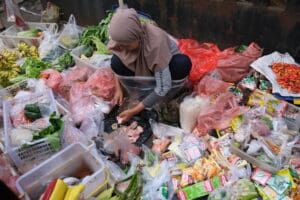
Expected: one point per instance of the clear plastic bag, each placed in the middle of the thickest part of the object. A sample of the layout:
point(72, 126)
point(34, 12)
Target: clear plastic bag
point(189, 110)
point(92, 125)
point(70, 35)
point(13, 13)
point(73, 135)
point(161, 130)
point(48, 45)
point(159, 187)
point(209, 86)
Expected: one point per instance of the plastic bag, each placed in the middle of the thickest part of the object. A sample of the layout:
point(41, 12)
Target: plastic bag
point(233, 66)
point(219, 114)
point(115, 171)
point(161, 130)
point(48, 45)
point(209, 86)
point(13, 13)
point(203, 57)
point(102, 83)
point(73, 135)
point(189, 110)
point(192, 148)
point(159, 187)
point(92, 125)
point(52, 78)
point(70, 35)
point(51, 14)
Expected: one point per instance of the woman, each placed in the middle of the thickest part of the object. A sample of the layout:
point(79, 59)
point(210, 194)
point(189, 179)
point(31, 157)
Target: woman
point(142, 49)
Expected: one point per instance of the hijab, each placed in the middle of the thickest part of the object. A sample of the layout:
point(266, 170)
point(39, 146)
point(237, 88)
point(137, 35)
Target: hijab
point(154, 52)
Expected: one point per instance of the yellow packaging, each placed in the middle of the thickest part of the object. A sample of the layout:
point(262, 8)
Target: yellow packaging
point(287, 175)
point(74, 192)
point(59, 190)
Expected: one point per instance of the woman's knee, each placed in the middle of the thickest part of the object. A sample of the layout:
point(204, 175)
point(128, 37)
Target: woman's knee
point(119, 68)
point(180, 66)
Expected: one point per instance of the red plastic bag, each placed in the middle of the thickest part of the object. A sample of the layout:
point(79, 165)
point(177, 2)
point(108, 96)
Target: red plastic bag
point(209, 86)
point(233, 66)
point(203, 57)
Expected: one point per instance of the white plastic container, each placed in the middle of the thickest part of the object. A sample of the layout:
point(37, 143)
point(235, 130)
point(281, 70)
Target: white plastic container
point(66, 163)
point(103, 60)
point(10, 39)
point(34, 151)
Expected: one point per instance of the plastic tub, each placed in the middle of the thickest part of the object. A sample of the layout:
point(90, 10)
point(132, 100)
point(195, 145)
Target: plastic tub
point(10, 39)
point(35, 151)
point(77, 52)
point(66, 163)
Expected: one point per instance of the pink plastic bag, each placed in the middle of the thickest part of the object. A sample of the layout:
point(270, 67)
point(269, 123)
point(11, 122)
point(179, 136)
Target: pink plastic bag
point(219, 114)
point(233, 66)
point(102, 83)
point(78, 74)
point(52, 78)
point(203, 57)
point(209, 86)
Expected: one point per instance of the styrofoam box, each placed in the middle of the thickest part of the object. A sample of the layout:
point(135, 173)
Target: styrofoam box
point(64, 164)
point(36, 150)
point(10, 39)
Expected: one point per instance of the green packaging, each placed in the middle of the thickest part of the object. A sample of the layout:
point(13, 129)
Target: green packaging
point(201, 189)
point(278, 184)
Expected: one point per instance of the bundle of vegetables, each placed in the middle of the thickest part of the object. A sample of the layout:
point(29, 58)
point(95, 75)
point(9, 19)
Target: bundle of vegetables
point(129, 188)
point(63, 62)
point(96, 35)
point(31, 68)
point(8, 67)
point(52, 132)
point(288, 76)
point(34, 32)
point(27, 51)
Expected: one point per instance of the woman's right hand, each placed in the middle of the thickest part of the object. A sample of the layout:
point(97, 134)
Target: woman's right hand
point(118, 97)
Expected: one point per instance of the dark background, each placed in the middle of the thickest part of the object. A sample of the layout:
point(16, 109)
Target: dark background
point(273, 24)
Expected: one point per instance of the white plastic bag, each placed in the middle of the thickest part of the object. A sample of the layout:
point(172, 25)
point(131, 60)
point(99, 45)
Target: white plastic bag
point(70, 35)
point(189, 110)
point(13, 13)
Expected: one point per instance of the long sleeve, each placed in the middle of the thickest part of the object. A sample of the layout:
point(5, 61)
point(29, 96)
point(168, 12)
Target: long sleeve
point(163, 85)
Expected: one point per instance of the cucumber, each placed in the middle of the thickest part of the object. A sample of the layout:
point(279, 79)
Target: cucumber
point(32, 115)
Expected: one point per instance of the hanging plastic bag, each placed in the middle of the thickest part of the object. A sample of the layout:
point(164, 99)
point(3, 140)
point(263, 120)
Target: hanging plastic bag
point(233, 66)
point(203, 57)
point(70, 35)
point(51, 14)
point(13, 13)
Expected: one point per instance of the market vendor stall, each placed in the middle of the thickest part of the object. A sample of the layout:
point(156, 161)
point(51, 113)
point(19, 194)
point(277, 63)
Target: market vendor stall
point(230, 137)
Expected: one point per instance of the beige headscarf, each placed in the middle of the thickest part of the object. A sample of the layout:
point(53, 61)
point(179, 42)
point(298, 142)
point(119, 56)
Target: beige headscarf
point(154, 52)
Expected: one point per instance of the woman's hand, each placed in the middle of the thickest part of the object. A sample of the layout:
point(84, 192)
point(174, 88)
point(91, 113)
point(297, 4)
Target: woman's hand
point(118, 97)
point(126, 115)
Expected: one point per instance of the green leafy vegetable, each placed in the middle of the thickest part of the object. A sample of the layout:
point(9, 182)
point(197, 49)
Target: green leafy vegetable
point(101, 48)
point(63, 62)
point(34, 32)
point(52, 132)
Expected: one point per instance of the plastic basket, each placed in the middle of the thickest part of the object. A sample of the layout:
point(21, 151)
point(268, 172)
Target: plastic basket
point(65, 164)
point(76, 53)
point(36, 151)
point(11, 91)
point(10, 39)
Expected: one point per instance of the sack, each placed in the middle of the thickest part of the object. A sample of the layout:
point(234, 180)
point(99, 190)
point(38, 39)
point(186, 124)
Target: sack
point(233, 66)
point(203, 57)
point(69, 38)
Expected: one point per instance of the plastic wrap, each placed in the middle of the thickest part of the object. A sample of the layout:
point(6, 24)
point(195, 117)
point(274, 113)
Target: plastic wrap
point(48, 45)
point(73, 135)
point(92, 125)
point(102, 83)
point(13, 13)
